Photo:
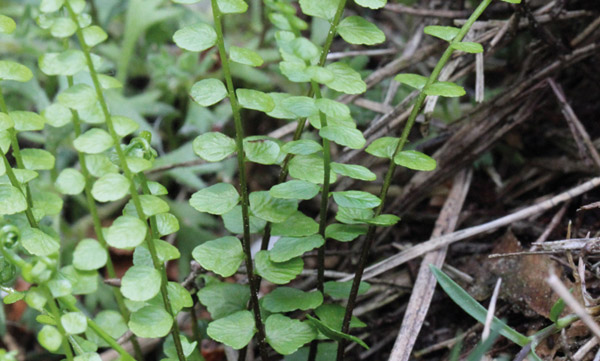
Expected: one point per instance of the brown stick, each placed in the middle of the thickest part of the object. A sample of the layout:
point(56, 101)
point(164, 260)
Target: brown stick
point(422, 292)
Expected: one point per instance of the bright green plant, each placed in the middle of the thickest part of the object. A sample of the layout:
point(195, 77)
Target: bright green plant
point(478, 312)
point(113, 153)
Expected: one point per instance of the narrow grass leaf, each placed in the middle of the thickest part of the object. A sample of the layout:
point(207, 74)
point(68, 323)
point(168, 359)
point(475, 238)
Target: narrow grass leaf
point(474, 309)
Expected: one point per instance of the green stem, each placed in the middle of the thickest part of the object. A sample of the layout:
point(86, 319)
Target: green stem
point(324, 194)
point(392, 167)
point(239, 140)
point(9, 171)
point(312, 354)
point(300, 127)
point(55, 312)
point(102, 334)
point(127, 172)
point(91, 204)
point(160, 266)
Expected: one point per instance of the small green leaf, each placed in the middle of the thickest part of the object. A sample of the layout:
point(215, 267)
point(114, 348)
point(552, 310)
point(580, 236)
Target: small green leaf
point(46, 204)
point(261, 150)
point(512, 1)
point(151, 321)
point(89, 255)
point(38, 243)
point(222, 299)
point(198, 37)
point(36, 159)
point(7, 25)
point(309, 168)
point(25, 175)
point(73, 323)
point(280, 111)
point(50, 6)
point(288, 299)
point(140, 283)
point(297, 225)
point(222, 256)
point(179, 297)
point(110, 187)
point(109, 82)
point(333, 317)
point(468, 47)
point(12, 200)
point(302, 147)
point(9, 70)
point(341, 290)
point(344, 232)
point(152, 205)
point(63, 28)
point(235, 330)
point(324, 9)
point(233, 221)
point(99, 165)
point(287, 335)
point(245, 56)
point(166, 223)
point(556, 310)
point(13, 297)
point(353, 171)
point(6, 122)
point(27, 121)
point(164, 250)
point(356, 199)
point(356, 30)
point(413, 80)
point(383, 220)
point(345, 79)
point(333, 334)
point(447, 33)
point(89, 356)
point(333, 108)
point(320, 75)
point(254, 99)
point(444, 89)
point(232, 6)
point(294, 189)
point(124, 126)
point(70, 181)
point(371, 4)
point(413, 159)
point(271, 209)
point(78, 97)
point(474, 309)
point(126, 232)
point(348, 137)
point(57, 115)
point(111, 322)
point(301, 106)
point(216, 199)
point(207, 92)
point(68, 63)
point(94, 35)
point(383, 147)
point(213, 146)
point(50, 338)
point(287, 248)
point(277, 272)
